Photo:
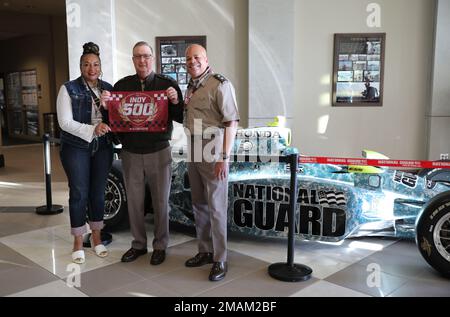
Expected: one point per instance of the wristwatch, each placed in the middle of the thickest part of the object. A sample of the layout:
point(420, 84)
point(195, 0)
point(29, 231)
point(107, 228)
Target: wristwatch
point(225, 156)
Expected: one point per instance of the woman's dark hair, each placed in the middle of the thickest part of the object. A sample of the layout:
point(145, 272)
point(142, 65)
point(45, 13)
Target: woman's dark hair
point(90, 48)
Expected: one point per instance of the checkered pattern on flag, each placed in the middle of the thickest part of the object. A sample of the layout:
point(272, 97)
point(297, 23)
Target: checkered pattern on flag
point(133, 111)
point(332, 198)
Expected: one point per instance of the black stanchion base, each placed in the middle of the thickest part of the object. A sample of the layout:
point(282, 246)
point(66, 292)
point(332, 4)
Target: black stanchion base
point(286, 273)
point(106, 239)
point(53, 210)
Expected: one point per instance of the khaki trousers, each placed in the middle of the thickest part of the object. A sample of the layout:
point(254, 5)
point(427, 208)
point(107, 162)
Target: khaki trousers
point(210, 205)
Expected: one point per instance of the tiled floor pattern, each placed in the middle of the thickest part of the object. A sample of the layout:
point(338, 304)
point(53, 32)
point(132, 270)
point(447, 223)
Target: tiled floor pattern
point(37, 263)
point(35, 255)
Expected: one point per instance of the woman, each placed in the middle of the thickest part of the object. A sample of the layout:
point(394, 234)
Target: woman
point(86, 150)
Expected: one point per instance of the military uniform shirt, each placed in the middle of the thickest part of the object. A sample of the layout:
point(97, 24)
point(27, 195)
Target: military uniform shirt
point(212, 100)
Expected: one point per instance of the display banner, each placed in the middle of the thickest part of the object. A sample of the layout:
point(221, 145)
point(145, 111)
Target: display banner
point(373, 162)
point(132, 111)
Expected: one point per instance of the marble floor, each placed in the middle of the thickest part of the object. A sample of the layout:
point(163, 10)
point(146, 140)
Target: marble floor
point(35, 255)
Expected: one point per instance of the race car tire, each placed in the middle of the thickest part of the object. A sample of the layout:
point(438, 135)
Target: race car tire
point(116, 210)
point(433, 233)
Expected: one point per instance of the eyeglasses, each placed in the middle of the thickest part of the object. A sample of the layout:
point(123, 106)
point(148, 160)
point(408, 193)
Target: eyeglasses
point(144, 56)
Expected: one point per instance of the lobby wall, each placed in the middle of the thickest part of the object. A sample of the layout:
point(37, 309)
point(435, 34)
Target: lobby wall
point(45, 51)
point(224, 22)
point(398, 128)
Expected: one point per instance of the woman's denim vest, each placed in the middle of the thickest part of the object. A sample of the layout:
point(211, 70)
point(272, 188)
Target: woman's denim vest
point(81, 99)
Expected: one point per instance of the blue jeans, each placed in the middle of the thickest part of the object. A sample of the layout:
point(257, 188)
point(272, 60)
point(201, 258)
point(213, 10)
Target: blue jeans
point(87, 171)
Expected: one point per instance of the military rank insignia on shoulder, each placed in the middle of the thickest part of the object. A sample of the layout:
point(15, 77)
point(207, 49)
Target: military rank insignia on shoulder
point(220, 78)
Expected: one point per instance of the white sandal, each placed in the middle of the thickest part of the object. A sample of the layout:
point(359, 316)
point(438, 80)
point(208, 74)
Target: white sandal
point(78, 257)
point(101, 250)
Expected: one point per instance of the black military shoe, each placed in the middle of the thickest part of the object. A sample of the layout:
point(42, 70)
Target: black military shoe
point(132, 254)
point(218, 271)
point(200, 259)
point(158, 257)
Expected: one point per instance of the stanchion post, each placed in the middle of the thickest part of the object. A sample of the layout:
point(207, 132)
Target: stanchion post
point(290, 271)
point(48, 171)
point(48, 209)
point(293, 200)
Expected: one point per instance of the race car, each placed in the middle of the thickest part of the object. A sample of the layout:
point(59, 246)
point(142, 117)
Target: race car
point(334, 202)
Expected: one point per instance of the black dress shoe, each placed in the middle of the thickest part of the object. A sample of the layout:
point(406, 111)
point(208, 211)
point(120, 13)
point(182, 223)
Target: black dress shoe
point(132, 254)
point(200, 259)
point(218, 271)
point(158, 257)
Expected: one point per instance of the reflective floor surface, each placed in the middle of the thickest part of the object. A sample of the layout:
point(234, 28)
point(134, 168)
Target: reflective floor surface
point(35, 255)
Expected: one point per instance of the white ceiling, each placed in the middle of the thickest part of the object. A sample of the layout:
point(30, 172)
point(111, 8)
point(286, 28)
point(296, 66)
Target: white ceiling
point(46, 7)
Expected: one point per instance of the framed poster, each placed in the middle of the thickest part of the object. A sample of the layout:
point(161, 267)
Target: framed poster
point(170, 58)
point(22, 103)
point(358, 68)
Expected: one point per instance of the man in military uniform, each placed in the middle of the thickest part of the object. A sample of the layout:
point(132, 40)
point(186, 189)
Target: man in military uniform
point(211, 118)
point(146, 157)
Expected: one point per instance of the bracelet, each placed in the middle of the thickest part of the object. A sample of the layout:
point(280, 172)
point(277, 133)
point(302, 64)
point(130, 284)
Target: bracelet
point(225, 156)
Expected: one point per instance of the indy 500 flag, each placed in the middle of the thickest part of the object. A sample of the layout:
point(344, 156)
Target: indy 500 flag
point(145, 111)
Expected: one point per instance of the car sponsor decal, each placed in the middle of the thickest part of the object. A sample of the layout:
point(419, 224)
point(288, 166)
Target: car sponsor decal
point(428, 178)
point(430, 183)
point(322, 212)
point(406, 179)
point(332, 198)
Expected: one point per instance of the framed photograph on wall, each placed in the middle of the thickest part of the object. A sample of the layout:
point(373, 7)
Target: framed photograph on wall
point(170, 58)
point(358, 69)
point(22, 103)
